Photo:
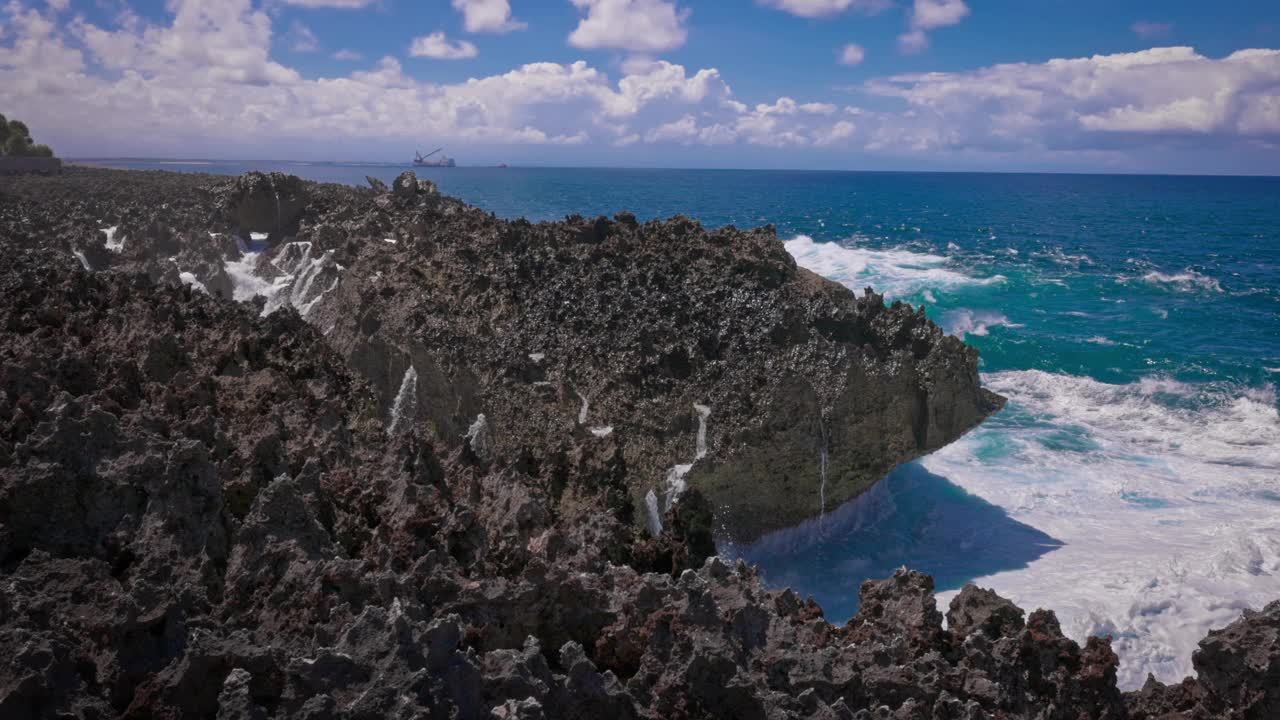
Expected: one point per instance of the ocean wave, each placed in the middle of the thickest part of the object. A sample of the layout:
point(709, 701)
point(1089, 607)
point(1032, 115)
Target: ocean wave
point(1058, 257)
point(1185, 281)
point(895, 272)
point(964, 322)
point(1161, 543)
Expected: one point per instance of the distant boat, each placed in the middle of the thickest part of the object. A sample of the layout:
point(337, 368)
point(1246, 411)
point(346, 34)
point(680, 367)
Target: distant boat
point(421, 160)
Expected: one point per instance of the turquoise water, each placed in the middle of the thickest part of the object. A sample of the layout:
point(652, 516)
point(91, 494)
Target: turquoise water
point(1131, 484)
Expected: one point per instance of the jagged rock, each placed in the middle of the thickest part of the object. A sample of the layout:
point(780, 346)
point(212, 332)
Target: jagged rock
point(203, 515)
point(977, 610)
point(405, 185)
point(262, 202)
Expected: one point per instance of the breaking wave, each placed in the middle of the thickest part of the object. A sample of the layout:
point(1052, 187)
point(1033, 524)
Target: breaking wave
point(1154, 489)
point(896, 273)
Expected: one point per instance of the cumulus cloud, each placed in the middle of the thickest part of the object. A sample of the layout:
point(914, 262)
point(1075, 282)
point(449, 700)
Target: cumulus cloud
point(204, 78)
point(1160, 95)
point(346, 55)
point(826, 8)
point(636, 25)
point(852, 54)
point(929, 15)
point(492, 16)
point(1149, 29)
point(438, 47)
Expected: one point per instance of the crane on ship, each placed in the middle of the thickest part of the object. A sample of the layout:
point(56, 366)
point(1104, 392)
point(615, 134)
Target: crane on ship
point(421, 160)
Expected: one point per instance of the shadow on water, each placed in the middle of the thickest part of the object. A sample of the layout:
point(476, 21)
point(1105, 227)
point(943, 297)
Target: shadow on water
point(913, 518)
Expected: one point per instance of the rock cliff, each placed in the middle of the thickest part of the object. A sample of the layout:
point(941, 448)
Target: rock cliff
point(709, 357)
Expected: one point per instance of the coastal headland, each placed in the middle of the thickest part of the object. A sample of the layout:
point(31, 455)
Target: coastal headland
point(271, 448)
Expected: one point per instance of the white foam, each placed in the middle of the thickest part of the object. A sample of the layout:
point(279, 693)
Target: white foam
point(965, 322)
point(84, 261)
point(894, 273)
point(1185, 281)
point(111, 242)
point(301, 281)
point(1100, 340)
point(653, 517)
point(700, 444)
point(582, 411)
point(478, 436)
point(190, 279)
point(405, 404)
point(537, 357)
point(601, 430)
point(1166, 495)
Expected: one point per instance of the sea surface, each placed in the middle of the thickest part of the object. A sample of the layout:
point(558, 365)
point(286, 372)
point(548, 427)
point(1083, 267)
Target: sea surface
point(1132, 484)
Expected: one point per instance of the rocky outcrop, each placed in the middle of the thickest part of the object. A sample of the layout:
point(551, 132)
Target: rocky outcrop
point(205, 512)
point(1238, 675)
point(707, 356)
point(265, 203)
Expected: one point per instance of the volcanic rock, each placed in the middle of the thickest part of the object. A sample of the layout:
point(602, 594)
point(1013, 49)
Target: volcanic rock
point(203, 514)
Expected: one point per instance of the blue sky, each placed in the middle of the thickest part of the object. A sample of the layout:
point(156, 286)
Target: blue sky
point(929, 84)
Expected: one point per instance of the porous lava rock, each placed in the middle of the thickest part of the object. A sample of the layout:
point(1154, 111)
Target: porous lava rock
point(206, 512)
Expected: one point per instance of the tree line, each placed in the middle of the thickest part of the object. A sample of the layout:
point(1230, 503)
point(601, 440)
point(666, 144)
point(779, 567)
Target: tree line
point(15, 140)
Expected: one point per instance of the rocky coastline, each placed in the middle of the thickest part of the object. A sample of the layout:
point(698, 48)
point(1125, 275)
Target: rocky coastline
point(271, 448)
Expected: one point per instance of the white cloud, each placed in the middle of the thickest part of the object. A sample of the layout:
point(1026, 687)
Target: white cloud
point(636, 25)
point(346, 55)
point(487, 16)
point(929, 15)
point(852, 54)
point(204, 78)
point(834, 135)
point(58, 5)
point(301, 39)
point(1149, 29)
point(1160, 94)
point(437, 46)
point(933, 14)
point(826, 8)
point(913, 41)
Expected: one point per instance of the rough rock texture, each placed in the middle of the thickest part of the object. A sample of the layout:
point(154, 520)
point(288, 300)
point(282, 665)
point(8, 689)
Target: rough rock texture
point(657, 334)
point(203, 514)
point(1238, 669)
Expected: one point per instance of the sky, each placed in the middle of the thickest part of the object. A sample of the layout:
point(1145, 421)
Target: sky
point(1176, 86)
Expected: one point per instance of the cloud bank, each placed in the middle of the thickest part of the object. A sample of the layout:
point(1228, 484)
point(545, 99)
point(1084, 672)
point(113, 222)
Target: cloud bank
point(206, 78)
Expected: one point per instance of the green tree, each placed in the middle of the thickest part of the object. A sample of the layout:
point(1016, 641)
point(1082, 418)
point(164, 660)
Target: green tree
point(15, 140)
point(19, 128)
point(16, 146)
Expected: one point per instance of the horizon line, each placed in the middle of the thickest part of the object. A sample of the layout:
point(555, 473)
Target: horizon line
point(410, 165)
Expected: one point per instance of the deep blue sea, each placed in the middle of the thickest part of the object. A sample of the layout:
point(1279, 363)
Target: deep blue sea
point(1132, 484)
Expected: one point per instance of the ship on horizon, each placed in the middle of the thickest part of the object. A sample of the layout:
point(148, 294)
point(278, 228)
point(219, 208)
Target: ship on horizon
point(420, 160)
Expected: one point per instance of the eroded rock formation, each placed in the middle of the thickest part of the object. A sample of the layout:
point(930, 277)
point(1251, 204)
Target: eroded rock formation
point(209, 512)
point(709, 357)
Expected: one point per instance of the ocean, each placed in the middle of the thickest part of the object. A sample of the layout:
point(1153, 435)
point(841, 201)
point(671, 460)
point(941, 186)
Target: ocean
point(1132, 484)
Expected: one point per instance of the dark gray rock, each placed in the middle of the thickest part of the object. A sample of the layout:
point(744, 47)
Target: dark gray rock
point(202, 513)
point(978, 610)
